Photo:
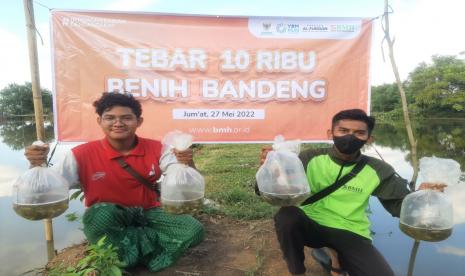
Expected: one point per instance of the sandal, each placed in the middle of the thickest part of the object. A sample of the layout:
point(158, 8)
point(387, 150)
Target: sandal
point(320, 255)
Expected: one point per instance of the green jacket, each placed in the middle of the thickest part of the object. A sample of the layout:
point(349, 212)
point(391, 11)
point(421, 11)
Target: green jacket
point(346, 207)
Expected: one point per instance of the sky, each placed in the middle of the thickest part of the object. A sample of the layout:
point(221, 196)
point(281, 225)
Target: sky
point(421, 28)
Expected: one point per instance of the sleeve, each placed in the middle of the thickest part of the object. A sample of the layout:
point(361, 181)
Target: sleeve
point(167, 158)
point(68, 168)
point(307, 155)
point(391, 192)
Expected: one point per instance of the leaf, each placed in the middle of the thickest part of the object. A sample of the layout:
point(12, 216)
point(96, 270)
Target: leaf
point(101, 242)
point(70, 274)
point(115, 271)
point(72, 216)
point(87, 271)
point(84, 262)
point(75, 194)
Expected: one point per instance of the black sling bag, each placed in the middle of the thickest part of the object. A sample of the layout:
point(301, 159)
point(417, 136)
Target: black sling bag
point(338, 183)
point(136, 175)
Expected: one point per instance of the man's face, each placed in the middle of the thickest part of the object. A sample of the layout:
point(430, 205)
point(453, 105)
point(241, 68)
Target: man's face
point(350, 127)
point(119, 123)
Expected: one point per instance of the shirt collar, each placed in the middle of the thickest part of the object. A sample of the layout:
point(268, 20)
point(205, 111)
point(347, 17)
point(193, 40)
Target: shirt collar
point(111, 153)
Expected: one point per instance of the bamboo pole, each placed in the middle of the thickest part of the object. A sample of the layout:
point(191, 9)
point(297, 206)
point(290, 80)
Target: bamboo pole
point(413, 256)
point(408, 125)
point(37, 99)
point(34, 66)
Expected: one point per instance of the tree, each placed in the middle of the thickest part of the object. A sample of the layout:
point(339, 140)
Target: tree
point(17, 99)
point(385, 98)
point(18, 134)
point(439, 87)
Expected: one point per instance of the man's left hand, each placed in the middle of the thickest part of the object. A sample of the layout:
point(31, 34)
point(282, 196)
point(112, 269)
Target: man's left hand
point(432, 186)
point(184, 157)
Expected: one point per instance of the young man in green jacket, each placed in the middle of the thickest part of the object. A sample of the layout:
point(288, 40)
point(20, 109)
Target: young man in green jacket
point(339, 220)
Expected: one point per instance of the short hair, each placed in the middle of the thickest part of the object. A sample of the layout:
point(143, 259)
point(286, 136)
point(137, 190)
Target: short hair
point(356, 115)
point(109, 100)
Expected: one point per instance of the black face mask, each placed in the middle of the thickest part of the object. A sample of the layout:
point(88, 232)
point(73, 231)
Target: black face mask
point(348, 144)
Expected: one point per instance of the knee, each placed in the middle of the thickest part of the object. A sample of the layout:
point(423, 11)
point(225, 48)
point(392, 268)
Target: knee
point(196, 231)
point(100, 217)
point(197, 227)
point(199, 234)
point(287, 217)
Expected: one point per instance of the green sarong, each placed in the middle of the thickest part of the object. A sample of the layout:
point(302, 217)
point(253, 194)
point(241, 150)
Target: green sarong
point(152, 237)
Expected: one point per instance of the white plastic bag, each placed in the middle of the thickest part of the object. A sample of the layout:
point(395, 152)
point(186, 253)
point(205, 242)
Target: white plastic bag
point(182, 183)
point(173, 140)
point(456, 195)
point(440, 170)
point(40, 193)
point(428, 214)
point(281, 179)
point(182, 187)
point(282, 145)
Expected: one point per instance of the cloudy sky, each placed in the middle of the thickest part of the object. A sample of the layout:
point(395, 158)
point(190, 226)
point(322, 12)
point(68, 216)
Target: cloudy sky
point(421, 28)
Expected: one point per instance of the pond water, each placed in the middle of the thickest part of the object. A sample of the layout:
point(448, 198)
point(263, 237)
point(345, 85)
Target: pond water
point(23, 247)
point(22, 242)
point(441, 138)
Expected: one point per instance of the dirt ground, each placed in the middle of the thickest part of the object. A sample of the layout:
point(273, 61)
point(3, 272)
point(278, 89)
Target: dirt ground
point(230, 248)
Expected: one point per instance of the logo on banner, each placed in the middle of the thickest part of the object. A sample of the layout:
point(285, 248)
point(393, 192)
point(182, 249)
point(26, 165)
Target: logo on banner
point(315, 28)
point(90, 22)
point(305, 28)
point(281, 28)
point(344, 28)
point(291, 28)
point(266, 28)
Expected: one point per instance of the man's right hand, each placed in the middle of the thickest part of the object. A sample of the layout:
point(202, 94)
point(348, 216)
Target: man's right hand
point(432, 186)
point(37, 155)
point(264, 153)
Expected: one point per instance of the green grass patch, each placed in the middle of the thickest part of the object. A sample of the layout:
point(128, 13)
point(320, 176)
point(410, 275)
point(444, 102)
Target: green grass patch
point(229, 171)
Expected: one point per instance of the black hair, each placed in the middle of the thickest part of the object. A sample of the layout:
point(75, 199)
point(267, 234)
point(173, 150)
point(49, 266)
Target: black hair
point(109, 100)
point(356, 115)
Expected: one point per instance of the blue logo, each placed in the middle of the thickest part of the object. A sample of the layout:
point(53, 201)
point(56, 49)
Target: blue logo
point(281, 28)
point(293, 28)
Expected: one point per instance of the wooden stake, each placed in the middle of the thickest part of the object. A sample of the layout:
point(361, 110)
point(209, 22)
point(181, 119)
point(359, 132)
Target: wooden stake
point(408, 125)
point(36, 94)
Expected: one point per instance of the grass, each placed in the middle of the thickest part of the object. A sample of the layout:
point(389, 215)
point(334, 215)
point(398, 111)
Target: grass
point(259, 259)
point(101, 259)
point(229, 172)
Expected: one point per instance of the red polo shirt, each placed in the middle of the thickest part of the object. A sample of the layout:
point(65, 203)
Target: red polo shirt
point(103, 179)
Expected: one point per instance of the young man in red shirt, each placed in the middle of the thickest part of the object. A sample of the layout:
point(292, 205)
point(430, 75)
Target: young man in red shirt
point(119, 206)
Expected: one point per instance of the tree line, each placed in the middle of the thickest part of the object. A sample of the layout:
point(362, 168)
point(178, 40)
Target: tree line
point(16, 100)
point(432, 90)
